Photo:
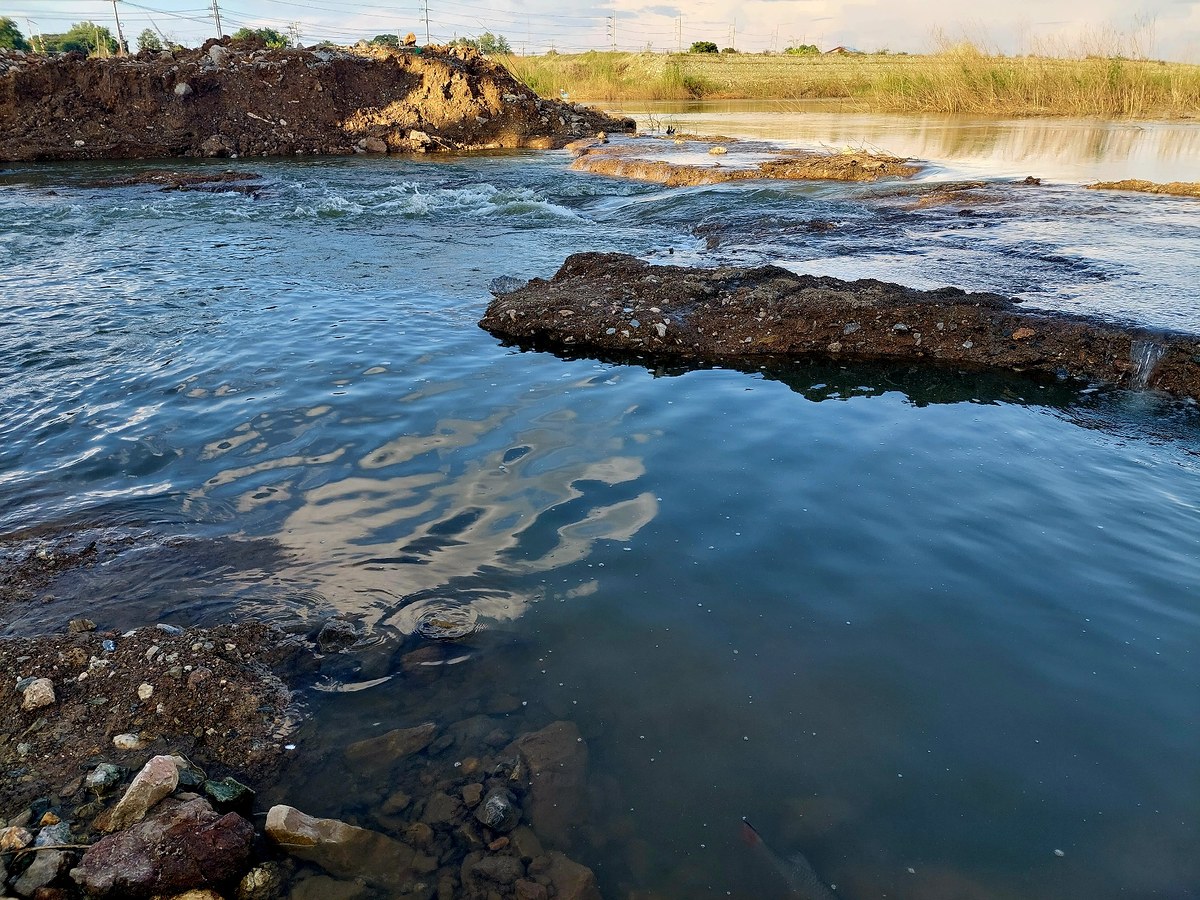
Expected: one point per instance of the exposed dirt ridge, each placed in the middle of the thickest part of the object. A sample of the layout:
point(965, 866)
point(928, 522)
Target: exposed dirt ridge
point(239, 98)
point(615, 303)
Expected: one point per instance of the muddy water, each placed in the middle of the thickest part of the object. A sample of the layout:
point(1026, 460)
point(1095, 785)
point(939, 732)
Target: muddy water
point(927, 629)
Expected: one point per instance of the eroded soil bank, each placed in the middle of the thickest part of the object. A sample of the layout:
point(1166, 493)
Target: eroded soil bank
point(618, 304)
point(239, 98)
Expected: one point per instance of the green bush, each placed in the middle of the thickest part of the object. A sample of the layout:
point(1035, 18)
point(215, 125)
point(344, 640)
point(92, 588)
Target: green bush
point(10, 35)
point(703, 47)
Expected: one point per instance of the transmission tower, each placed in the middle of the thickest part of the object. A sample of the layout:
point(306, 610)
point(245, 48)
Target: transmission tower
point(679, 34)
point(294, 33)
point(426, 5)
point(611, 26)
point(217, 18)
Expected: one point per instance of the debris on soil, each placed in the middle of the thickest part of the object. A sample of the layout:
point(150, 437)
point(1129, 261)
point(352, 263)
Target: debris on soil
point(615, 303)
point(183, 181)
point(1173, 188)
point(209, 694)
point(234, 98)
point(688, 163)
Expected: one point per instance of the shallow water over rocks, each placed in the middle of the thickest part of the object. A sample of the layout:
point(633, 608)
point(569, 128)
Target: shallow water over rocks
point(926, 628)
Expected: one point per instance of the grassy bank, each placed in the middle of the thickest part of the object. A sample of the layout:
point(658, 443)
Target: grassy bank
point(963, 80)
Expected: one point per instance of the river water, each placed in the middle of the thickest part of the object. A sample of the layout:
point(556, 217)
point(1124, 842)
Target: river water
point(937, 632)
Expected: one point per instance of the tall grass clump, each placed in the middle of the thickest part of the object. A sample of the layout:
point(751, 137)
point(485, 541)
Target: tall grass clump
point(959, 79)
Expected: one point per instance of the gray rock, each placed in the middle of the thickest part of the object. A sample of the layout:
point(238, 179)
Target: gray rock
point(53, 835)
point(181, 847)
point(440, 809)
point(128, 742)
point(337, 634)
point(499, 810)
point(103, 778)
point(218, 54)
point(183, 89)
point(47, 865)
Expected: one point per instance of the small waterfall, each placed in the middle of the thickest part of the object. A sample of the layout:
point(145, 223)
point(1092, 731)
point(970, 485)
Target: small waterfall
point(1145, 355)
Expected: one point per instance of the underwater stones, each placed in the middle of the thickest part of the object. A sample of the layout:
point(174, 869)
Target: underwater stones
point(499, 810)
point(447, 623)
point(336, 634)
point(228, 792)
point(343, 850)
point(571, 880)
point(555, 760)
point(472, 794)
point(440, 810)
point(480, 871)
point(263, 882)
point(391, 747)
point(158, 778)
point(184, 845)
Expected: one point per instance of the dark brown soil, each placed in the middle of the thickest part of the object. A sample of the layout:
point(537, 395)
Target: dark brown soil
point(620, 305)
point(652, 160)
point(215, 699)
point(237, 98)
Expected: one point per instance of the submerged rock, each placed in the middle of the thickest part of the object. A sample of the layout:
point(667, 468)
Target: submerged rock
point(499, 810)
point(554, 765)
point(750, 314)
point(391, 747)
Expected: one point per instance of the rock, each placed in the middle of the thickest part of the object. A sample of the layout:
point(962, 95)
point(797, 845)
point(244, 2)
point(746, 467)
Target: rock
point(322, 887)
point(472, 794)
point(54, 835)
point(530, 890)
point(129, 742)
point(440, 809)
point(202, 894)
point(38, 693)
point(183, 89)
point(218, 54)
point(47, 865)
point(183, 846)
point(198, 676)
point(145, 691)
point(263, 882)
point(419, 834)
point(395, 803)
point(229, 792)
point(375, 145)
point(499, 810)
point(341, 849)
point(391, 747)
point(502, 870)
point(571, 880)
point(555, 760)
point(158, 778)
point(103, 778)
point(418, 137)
point(337, 634)
point(79, 626)
point(526, 843)
point(15, 838)
point(1023, 334)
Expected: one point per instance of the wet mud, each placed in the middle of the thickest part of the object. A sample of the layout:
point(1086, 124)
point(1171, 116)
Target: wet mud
point(676, 164)
point(613, 303)
point(237, 98)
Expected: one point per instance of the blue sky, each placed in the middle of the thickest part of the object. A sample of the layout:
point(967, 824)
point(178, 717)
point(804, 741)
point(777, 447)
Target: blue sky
point(1167, 29)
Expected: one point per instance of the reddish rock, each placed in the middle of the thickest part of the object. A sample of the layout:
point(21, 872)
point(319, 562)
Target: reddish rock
point(181, 847)
point(555, 767)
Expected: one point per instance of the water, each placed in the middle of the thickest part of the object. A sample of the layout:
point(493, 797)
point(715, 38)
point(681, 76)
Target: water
point(900, 619)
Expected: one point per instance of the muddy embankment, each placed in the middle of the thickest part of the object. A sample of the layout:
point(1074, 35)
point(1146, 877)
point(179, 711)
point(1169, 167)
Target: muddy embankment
point(237, 98)
point(616, 304)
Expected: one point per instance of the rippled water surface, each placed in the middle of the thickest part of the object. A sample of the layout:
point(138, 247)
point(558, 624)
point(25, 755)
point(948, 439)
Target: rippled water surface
point(926, 628)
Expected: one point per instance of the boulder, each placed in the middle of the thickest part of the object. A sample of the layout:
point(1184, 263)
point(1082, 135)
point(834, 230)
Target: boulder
point(554, 764)
point(47, 865)
point(391, 747)
point(342, 849)
point(157, 779)
point(181, 847)
point(571, 880)
point(480, 871)
point(499, 810)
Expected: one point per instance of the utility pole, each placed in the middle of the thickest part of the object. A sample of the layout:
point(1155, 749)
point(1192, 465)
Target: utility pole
point(120, 35)
point(294, 33)
point(427, 41)
point(611, 23)
point(732, 29)
point(217, 18)
point(679, 34)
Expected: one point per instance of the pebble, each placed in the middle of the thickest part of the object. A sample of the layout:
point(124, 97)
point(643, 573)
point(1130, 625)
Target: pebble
point(145, 691)
point(103, 778)
point(78, 626)
point(128, 742)
point(15, 838)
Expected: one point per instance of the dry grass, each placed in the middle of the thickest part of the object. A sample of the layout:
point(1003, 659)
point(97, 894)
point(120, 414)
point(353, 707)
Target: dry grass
point(962, 79)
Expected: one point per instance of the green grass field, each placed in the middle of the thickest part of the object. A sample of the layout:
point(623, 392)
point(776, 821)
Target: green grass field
point(963, 80)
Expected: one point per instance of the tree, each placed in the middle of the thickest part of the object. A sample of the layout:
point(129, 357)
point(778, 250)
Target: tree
point(703, 47)
point(148, 40)
point(385, 40)
point(803, 50)
point(268, 36)
point(84, 37)
point(492, 44)
point(10, 35)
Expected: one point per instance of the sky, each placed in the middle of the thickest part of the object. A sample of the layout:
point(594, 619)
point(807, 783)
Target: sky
point(1160, 29)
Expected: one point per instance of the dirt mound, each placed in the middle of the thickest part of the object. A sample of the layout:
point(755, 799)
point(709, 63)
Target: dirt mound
point(617, 304)
point(238, 98)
